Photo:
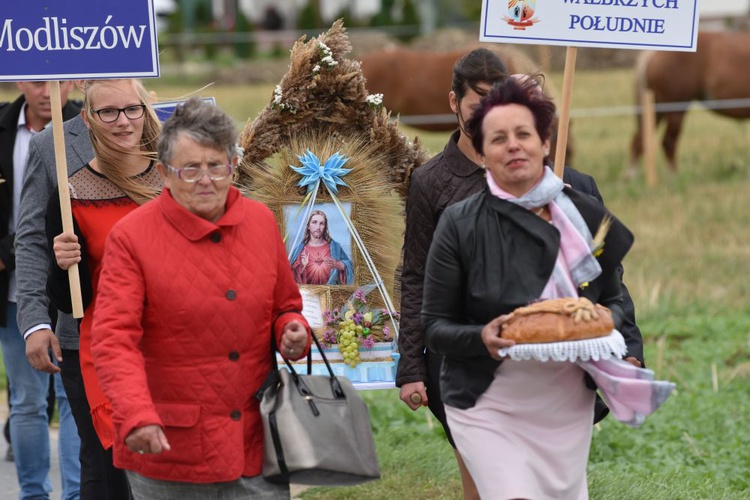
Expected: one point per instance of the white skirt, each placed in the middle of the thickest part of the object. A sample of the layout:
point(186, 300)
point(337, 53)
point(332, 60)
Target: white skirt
point(528, 436)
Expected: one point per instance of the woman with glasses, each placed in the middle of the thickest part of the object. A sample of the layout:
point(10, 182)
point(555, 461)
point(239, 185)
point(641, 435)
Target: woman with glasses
point(195, 287)
point(124, 130)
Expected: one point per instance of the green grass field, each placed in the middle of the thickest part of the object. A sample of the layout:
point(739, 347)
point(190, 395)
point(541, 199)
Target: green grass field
point(688, 274)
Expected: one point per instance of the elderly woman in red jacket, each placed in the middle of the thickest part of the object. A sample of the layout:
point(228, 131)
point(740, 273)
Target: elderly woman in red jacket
point(194, 286)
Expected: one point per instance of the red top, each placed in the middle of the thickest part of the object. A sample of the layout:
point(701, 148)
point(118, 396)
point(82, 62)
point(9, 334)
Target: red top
point(97, 204)
point(95, 220)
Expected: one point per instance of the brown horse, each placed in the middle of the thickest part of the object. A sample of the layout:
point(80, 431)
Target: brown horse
point(719, 69)
point(415, 82)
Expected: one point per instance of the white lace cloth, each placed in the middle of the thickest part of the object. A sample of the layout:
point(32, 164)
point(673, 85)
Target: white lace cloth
point(611, 346)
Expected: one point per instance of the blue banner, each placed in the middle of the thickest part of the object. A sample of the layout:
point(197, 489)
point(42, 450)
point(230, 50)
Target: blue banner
point(165, 109)
point(77, 39)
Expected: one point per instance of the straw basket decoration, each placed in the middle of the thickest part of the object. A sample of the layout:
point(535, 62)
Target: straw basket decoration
point(323, 147)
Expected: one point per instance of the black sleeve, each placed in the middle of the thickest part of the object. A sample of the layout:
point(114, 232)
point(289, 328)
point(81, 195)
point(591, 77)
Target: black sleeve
point(7, 252)
point(444, 297)
point(58, 286)
point(418, 233)
point(628, 327)
point(612, 298)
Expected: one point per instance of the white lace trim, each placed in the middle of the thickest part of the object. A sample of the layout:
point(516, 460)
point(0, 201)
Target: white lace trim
point(611, 346)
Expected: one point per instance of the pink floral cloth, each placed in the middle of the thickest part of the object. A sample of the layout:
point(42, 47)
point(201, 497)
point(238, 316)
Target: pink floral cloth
point(630, 392)
point(575, 263)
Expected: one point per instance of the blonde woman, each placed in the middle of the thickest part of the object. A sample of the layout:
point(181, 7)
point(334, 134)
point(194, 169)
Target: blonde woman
point(124, 130)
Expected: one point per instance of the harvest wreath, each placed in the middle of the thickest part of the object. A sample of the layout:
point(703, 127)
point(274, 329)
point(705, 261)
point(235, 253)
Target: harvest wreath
point(323, 145)
point(325, 91)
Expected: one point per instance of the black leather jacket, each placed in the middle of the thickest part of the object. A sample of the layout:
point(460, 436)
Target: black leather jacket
point(448, 178)
point(488, 257)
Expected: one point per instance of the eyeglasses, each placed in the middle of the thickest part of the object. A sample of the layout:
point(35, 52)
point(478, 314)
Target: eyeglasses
point(110, 115)
point(194, 174)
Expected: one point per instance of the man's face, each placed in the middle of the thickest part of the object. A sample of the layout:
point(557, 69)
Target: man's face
point(39, 108)
point(317, 226)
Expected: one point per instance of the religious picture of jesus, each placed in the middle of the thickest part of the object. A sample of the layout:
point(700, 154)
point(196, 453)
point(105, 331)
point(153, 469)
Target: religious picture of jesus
point(318, 258)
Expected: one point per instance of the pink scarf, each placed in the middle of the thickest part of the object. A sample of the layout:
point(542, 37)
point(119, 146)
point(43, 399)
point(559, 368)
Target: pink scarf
point(630, 392)
point(575, 264)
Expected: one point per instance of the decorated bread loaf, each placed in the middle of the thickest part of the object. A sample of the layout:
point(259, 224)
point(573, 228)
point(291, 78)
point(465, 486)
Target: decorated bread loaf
point(558, 320)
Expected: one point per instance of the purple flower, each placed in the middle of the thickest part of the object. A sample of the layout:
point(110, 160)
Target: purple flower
point(386, 333)
point(357, 318)
point(329, 337)
point(368, 342)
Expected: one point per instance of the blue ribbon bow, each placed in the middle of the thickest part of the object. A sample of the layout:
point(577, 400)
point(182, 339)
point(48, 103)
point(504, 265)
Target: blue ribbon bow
point(329, 173)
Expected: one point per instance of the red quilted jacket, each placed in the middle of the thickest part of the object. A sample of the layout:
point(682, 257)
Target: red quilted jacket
point(182, 334)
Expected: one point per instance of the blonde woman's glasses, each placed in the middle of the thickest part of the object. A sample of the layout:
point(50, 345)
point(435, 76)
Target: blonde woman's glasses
point(110, 115)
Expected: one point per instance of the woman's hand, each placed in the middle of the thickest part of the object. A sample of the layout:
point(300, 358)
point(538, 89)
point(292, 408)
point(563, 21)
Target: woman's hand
point(492, 339)
point(634, 361)
point(414, 394)
point(293, 340)
point(67, 250)
point(147, 439)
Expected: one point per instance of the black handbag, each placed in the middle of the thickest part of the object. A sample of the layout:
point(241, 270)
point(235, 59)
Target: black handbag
point(316, 428)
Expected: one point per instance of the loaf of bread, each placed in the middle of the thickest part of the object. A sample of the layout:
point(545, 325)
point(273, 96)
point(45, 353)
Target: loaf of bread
point(558, 320)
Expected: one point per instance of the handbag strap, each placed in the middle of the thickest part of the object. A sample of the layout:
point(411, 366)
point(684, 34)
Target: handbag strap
point(273, 425)
point(273, 344)
point(301, 386)
point(338, 392)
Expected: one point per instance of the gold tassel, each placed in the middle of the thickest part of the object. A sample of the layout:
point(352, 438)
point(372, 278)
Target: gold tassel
point(597, 245)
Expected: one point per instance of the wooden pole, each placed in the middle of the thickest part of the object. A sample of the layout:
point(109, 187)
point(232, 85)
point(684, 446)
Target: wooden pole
point(648, 126)
point(62, 186)
point(562, 127)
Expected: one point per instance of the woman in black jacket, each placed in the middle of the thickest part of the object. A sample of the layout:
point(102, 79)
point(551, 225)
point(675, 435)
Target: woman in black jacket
point(452, 176)
point(522, 428)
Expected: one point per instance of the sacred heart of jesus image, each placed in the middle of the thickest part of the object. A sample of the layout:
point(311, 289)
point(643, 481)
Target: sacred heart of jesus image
point(520, 13)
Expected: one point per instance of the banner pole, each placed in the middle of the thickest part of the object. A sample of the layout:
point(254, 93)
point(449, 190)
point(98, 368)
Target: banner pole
point(564, 119)
point(62, 186)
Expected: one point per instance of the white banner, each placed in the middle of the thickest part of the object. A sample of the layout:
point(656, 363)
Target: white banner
point(618, 24)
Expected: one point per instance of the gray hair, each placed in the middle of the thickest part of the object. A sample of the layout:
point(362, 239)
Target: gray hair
point(201, 121)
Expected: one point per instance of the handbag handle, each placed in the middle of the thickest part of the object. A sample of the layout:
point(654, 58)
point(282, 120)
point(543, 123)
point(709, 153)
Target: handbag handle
point(338, 392)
